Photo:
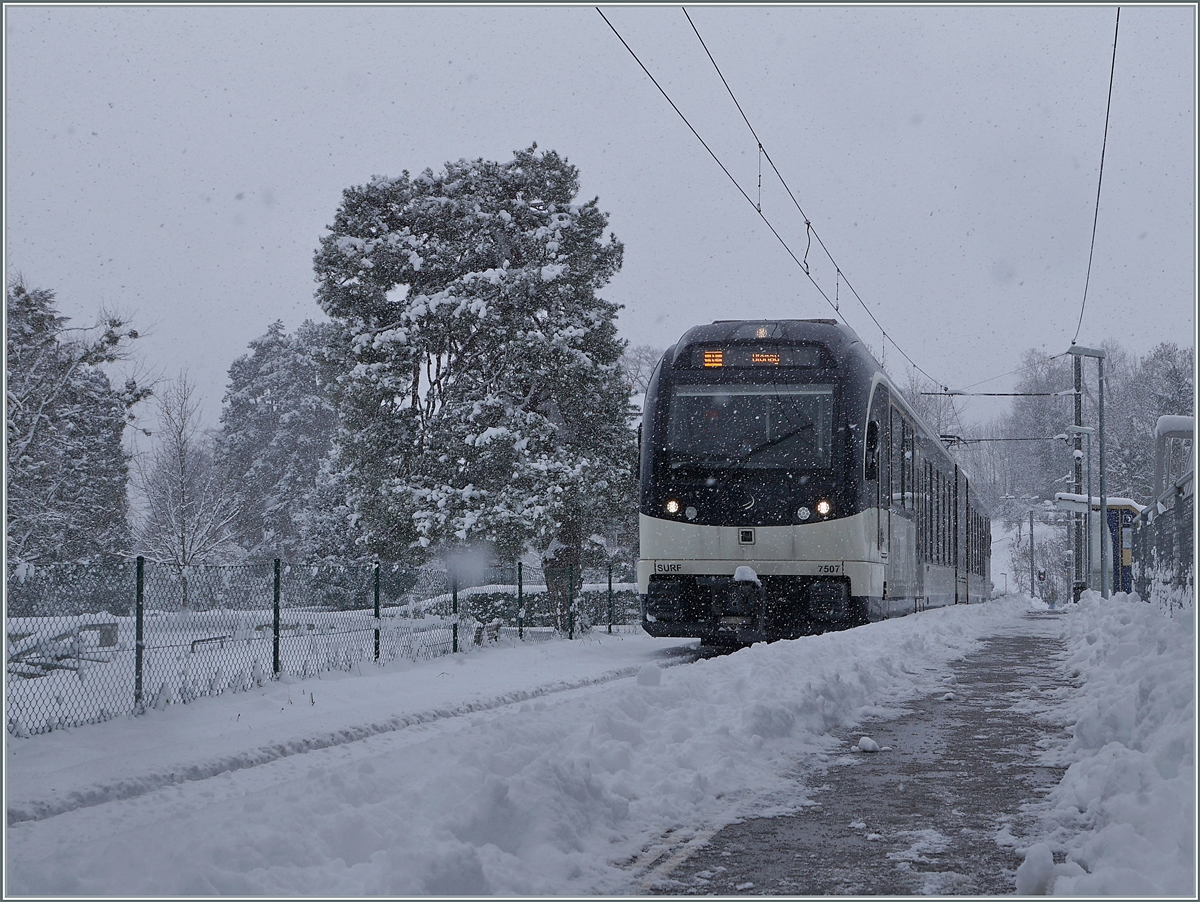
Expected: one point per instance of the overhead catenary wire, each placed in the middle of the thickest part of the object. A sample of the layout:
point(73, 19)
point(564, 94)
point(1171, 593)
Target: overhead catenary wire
point(1010, 372)
point(812, 232)
point(1099, 181)
point(1002, 394)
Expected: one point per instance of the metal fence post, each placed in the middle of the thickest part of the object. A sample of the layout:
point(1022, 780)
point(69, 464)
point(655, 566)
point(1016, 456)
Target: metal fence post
point(520, 604)
point(139, 608)
point(376, 568)
point(276, 622)
point(610, 604)
point(570, 602)
point(454, 621)
point(1032, 567)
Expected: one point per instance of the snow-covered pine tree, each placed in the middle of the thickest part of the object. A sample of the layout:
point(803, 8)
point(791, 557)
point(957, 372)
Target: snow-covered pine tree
point(278, 424)
point(66, 470)
point(483, 401)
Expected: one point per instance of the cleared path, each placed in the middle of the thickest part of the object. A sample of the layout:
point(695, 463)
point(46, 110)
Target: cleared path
point(940, 812)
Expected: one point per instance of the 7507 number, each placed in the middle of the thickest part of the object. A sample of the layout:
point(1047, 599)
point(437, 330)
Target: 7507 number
point(829, 568)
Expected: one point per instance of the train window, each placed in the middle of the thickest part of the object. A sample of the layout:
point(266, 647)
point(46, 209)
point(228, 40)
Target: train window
point(872, 465)
point(885, 459)
point(751, 426)
point(937, 516)
point(896, 436)
point(941, 518)
point(927, 501)
point(907, 464)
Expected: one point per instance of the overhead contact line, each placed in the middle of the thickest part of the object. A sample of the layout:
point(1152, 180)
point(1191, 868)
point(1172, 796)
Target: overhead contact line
point(801, 263)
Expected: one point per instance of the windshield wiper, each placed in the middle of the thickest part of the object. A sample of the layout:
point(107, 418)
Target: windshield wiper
point(683, 458)
point(769, 443)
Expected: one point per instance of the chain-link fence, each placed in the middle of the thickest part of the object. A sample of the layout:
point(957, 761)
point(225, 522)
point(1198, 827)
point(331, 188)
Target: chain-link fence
point(87, 642)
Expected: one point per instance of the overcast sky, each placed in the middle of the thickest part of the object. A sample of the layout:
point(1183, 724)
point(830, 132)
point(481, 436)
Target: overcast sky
point(181, 162)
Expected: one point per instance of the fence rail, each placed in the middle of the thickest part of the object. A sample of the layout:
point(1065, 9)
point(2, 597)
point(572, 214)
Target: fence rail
point(88, 642)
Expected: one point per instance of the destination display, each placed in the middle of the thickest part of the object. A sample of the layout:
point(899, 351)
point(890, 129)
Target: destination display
point(744, 356)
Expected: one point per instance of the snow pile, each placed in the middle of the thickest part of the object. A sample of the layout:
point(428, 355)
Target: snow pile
point(558, 794)
point(1124, 811)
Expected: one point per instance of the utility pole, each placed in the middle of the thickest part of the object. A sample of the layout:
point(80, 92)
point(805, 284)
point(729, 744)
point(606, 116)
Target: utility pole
point(1080, 431)
point(1077, 453)
point(1105, 534)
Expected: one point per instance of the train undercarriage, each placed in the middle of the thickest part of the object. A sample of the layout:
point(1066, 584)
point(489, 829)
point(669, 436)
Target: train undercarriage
point(724, 610)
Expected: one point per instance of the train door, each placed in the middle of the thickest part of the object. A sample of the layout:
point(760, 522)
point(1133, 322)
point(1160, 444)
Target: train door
point(880, 417)
point(902, 540)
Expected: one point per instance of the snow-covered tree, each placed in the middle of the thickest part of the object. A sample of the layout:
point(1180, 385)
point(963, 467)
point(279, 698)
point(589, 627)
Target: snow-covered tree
point(1026, 464)
point(935, 408)
point(638, 363)
point(277, 429)
point(483, 400)
point(1143, 390)
point(189, 515)
point(66, 470)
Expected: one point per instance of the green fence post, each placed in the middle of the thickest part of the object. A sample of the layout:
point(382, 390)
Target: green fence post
point(610, 604)
point(137, 635)
point(376, 568)
point(276, 625)
point(454, 621)
point(520, 604)
point(570, 602)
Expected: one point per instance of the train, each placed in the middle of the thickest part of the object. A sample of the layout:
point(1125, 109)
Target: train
point(788, 488)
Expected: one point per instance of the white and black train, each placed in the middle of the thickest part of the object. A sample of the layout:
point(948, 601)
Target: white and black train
point(788, 488)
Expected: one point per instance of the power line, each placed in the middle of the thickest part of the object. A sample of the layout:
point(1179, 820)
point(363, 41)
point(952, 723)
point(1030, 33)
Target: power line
point(952, 440)
point(1002, 394)
point(1024, 366)
point(1100, 181)
point(809, 229)
point(798, 261)
point(717, 159)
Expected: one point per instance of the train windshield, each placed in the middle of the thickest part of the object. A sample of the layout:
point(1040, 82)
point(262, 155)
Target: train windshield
point(751, 426)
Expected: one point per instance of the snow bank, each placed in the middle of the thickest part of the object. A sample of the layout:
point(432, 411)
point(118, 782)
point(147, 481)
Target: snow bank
point(555, 795)
point(1124, 812)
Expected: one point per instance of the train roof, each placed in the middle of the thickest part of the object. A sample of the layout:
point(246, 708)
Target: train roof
point(838, 337)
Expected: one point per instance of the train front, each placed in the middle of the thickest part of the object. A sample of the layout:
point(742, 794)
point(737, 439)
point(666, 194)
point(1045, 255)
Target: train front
point(751, 522)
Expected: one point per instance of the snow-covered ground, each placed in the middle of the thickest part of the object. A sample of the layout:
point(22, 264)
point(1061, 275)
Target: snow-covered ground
point(1125, 811)
point(547, 768)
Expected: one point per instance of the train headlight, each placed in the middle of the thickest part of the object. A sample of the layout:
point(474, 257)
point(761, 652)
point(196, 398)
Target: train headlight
point(672, 506)
point(824, 508)
point(690, 513)
point(803, 514)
